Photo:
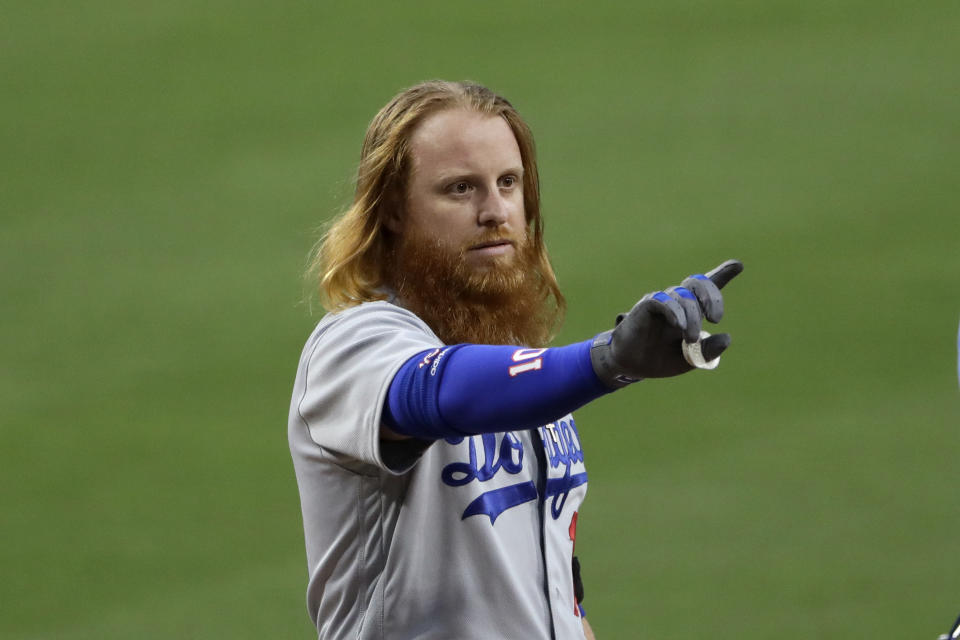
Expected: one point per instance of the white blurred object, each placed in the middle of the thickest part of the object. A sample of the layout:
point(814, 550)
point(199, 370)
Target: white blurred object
point(693, 354)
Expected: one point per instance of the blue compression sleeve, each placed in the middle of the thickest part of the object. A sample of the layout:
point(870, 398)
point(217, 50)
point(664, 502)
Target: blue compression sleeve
point(467, 389)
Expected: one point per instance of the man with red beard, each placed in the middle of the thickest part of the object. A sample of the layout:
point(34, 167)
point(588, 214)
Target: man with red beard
point(439, 468)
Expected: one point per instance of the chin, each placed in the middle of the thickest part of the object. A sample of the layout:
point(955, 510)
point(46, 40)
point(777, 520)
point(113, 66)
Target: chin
point(485, 264)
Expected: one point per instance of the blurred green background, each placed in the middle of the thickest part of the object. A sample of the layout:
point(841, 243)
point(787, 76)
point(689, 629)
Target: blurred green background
point(165, 167)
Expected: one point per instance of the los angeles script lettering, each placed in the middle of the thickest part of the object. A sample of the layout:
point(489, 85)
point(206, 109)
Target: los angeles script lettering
point(503, 455)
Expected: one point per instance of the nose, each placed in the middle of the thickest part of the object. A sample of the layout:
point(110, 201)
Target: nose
point(494, 209)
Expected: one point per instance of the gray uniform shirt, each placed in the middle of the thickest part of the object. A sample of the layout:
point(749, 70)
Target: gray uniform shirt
point(464, 538)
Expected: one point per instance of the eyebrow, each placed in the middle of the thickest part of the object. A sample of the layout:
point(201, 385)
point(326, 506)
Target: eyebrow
point(453, 176)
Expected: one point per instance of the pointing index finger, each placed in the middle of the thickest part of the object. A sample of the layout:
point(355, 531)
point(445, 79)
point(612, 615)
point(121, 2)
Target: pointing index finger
point(725, 273)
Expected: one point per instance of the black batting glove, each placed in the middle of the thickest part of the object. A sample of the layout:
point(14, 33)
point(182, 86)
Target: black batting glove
point(646, 343)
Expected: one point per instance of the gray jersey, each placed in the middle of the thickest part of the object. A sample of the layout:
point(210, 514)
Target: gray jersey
point(466, 538)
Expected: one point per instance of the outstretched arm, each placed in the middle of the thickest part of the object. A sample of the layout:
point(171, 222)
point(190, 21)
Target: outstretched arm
point(468, 389)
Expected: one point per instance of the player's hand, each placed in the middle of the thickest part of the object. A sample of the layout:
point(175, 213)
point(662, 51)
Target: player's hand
point(646, 343)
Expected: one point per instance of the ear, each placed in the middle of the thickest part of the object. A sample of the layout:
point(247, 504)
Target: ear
point(392, 214)
point(392, 219)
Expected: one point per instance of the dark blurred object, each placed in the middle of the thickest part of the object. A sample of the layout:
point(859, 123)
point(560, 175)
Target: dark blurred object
point(954, 632)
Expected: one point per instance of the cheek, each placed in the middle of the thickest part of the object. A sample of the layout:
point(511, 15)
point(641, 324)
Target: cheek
point(424, 212)
point(438, 222)
point(518, 211)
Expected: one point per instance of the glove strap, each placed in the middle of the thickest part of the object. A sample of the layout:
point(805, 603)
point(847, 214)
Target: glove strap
point(603, 364)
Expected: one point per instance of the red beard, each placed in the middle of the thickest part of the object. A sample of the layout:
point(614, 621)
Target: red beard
point(505, 303)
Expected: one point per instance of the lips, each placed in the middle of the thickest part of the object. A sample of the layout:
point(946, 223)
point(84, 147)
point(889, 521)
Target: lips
point(490, 244)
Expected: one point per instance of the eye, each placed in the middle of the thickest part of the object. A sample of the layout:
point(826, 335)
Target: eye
point(459, 188)
point(508, 182)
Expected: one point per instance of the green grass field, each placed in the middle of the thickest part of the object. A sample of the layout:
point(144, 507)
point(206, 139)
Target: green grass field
point(165, 167)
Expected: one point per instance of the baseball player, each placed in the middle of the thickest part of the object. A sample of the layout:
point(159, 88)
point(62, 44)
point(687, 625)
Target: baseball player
point(439, 466)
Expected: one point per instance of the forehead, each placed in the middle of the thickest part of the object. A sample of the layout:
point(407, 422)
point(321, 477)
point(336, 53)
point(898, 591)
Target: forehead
point(458, 140)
